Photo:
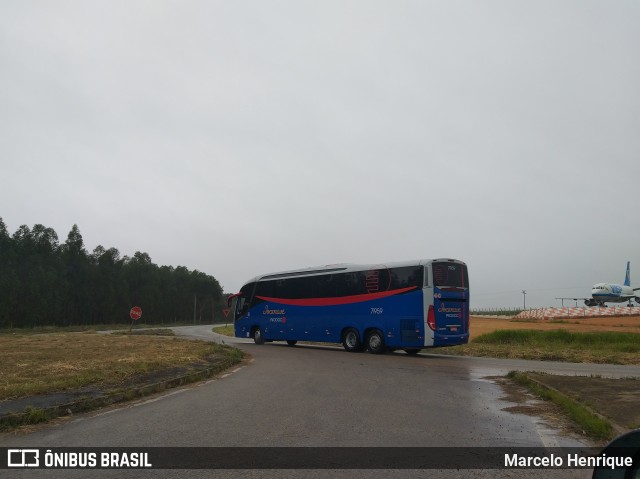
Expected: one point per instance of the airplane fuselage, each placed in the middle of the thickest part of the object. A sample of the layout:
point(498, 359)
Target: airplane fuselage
point(611, 293)
point(602, 293)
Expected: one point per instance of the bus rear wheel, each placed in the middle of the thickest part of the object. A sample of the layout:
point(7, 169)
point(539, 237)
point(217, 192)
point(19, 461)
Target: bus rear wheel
point(257, 336)
point(291, 342)
point(351, 341)
point(375, 342)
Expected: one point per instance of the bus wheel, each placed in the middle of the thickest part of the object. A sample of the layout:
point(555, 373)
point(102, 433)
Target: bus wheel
point(351, 341)
point(291, 342)
point(375, 342)
point(412, 352)
point(257, 336)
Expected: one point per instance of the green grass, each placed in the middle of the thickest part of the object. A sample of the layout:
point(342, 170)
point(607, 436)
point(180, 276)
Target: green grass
point(556, 345)
point(593, 425)
point(612, 341)
point(35, 415)
point(225, 330)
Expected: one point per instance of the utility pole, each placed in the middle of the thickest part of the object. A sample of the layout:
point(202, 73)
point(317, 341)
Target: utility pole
point(194, 309)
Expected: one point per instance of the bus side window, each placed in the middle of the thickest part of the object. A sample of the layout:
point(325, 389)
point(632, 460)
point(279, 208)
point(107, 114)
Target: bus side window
point(324, 286)
point(407, 277)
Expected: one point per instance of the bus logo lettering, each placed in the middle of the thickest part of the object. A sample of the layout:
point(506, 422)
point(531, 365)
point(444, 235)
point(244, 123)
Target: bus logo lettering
point(444, 309)
point(266, 310)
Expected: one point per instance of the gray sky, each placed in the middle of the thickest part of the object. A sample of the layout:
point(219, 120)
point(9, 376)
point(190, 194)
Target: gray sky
point(244, 137)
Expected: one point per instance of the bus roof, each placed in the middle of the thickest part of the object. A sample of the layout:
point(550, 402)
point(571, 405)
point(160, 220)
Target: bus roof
point(343, 267)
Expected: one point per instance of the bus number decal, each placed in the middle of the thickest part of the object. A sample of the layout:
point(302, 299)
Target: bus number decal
point(377, 310)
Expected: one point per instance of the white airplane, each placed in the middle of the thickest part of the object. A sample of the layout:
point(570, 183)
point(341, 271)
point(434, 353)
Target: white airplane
point(602, 293)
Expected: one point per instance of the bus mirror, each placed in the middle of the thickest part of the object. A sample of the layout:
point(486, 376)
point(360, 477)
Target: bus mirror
point(627, 448)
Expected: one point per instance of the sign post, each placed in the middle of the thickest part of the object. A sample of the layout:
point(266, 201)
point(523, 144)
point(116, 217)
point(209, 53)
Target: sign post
point(135, 314)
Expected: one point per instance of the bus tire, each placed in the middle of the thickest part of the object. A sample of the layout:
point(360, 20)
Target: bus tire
point(375, 342)
point(412, 351)
point(291, 342)
point(351, 341)
point(257, 336)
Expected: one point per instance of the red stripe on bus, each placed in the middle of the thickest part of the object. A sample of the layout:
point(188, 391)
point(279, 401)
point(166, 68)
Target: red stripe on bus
point(358, 298)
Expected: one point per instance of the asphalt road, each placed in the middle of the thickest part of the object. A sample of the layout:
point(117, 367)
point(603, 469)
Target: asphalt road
point(320, 396)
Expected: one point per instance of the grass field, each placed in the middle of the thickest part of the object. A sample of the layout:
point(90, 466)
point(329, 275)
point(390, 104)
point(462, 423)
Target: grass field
point(226, 330)
point(555, 345)
point(37, 364)
point(595, 340)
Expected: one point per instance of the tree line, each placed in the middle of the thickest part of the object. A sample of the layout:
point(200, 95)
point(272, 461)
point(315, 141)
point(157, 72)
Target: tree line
point(47, 283)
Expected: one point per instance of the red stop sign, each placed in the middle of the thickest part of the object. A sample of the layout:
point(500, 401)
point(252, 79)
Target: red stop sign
point(136, 312)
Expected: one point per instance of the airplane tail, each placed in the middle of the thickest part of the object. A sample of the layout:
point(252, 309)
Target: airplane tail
point(627, 278)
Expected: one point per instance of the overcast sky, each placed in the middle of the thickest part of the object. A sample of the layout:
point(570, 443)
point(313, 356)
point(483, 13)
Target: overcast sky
point(246, 137)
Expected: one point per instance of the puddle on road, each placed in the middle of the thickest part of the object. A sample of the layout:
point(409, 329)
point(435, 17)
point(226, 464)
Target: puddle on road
point(553, 427)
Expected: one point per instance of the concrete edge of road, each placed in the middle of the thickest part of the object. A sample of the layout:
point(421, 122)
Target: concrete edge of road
point(37, 409)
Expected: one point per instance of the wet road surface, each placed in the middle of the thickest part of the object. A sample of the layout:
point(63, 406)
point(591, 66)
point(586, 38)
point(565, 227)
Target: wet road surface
point(317, 396)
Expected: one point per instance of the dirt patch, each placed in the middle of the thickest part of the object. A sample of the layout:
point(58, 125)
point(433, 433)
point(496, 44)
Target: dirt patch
point(616, 399)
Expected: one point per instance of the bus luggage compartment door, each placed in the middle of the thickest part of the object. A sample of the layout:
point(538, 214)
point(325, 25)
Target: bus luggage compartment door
point(411, 335)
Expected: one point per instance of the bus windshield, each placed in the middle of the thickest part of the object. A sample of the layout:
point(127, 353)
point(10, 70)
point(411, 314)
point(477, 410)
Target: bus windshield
point(450, 275)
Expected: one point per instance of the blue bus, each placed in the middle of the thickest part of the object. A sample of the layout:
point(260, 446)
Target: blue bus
point(408, 305)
